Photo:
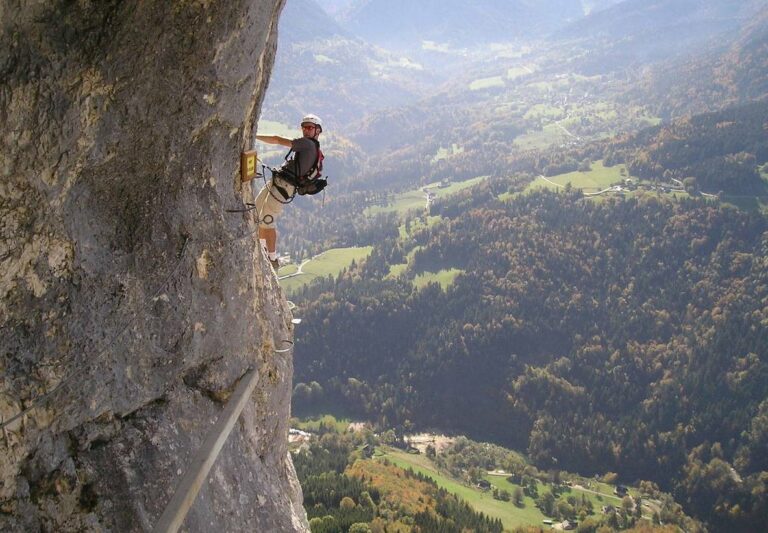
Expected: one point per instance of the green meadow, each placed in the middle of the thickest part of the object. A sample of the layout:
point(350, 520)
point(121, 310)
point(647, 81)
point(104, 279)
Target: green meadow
point(511, 516)
point(486, 83)
point(416, 199)
point(516, 72)
point(444, 278)
point(596, 179)
point(443, 153)
point(547, 136)
point(329, 263)
point(482, 501)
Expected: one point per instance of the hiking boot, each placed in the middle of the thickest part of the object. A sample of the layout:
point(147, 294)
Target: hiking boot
point(275, 264)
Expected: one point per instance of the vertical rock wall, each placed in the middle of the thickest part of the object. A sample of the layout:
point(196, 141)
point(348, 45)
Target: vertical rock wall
point(131, 302)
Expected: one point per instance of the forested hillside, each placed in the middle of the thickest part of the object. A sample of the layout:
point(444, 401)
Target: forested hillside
point(729, 71)
point(626, 335)
point(722, 151)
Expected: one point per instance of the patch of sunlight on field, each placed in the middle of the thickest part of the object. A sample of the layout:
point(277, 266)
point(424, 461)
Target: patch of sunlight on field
point(320, 58)
point(443, 153)
point(549, 135)
point(486, 83)
point(402, 203)
point(594, 180)
point(331, 262)
point(444, 278)
point(415, 224)
point(416, 199)
point(396, 270)
point(517, 72)
point(271, 127)
point(544, 111)
point(288, 269)
point(452, 188)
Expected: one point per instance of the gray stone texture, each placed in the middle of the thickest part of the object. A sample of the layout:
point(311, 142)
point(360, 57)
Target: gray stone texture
point(131, 302)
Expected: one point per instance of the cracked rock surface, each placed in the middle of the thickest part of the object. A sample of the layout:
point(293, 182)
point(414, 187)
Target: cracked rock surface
point(131, 302)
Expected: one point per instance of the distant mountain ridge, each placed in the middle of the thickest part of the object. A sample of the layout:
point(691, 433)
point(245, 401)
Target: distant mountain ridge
point(729, 72)
point(323, 68)
point(637, 31)
point(457, 22)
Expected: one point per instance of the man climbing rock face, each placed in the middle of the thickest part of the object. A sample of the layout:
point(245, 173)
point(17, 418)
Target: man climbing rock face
point(303, 162)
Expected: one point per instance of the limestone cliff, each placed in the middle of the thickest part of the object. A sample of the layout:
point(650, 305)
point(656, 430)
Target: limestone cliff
point(131, 302)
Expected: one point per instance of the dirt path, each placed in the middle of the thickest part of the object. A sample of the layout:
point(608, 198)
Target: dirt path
point(300, 268)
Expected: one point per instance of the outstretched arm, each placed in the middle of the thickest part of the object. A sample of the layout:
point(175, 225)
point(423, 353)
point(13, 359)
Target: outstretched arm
point(274, 139)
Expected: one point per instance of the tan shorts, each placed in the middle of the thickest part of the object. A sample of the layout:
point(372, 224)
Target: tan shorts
point(269, 202)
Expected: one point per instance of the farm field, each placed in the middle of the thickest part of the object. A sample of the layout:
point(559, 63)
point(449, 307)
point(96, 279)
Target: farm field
point(444, 278)
point(331, 262)
point(549, 135)
point(271, 127)
point(598, 178)
point(486, 83)
point(510, 516)
point(416, 199)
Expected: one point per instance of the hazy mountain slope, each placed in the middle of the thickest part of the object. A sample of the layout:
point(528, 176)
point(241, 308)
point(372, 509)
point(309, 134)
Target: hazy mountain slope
point(728, 72)
point(635, 32)
point(333, 7)
point(593, 6)
point(307, 20)
point(457, 22)
point(332, 73)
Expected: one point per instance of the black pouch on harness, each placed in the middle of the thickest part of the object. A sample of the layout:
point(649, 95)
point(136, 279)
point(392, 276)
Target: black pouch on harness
point(311, 186)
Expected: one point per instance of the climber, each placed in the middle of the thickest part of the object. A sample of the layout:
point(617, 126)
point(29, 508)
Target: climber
point(303, 164)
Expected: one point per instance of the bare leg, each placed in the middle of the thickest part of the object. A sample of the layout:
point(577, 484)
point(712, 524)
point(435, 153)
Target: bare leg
point(270, 236)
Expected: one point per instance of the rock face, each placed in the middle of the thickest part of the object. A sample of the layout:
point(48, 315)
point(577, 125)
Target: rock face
point(131, 301)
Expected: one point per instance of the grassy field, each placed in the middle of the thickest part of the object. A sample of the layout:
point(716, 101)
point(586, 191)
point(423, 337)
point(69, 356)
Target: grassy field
point(486, 83)
point(443, 153)
point(444, 277)
point(331, 263)
point(547, 136)
point(596, 179)
point(441, 192)
point(416, 199)
point(399, 268)
point(516, 72)
point(510, 516)
point(402, 203)
point(416, 224)
point(545, 111)
point(271, 127)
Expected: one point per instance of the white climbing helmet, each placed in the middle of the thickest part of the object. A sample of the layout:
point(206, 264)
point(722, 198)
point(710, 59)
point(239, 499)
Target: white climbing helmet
point(313, 119)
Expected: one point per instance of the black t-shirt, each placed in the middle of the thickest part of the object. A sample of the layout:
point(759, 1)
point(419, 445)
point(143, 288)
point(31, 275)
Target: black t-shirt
point(304, 157)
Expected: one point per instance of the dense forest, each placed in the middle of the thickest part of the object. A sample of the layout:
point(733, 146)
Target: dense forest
point(626, 335)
